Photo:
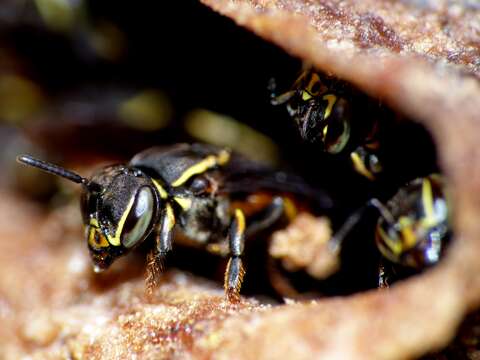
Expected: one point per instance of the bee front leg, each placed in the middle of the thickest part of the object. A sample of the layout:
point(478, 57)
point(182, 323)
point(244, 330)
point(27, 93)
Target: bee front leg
point(235, 271)
point(165, 233)
point(156, 258)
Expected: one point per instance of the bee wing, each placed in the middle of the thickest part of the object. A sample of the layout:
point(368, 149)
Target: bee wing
point(241, 175)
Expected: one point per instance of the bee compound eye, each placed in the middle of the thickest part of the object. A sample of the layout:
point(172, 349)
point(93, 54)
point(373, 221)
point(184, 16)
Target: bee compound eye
point(139, 219)
point(336, 135)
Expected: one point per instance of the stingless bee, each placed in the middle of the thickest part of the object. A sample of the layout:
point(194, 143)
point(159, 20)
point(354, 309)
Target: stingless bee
point(201, 189)
point(340, 119)
point(413, 227)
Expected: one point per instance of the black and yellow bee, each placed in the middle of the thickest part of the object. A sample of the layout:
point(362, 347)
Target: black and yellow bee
point(413, 227)
point(203, 190)
point(340, 119)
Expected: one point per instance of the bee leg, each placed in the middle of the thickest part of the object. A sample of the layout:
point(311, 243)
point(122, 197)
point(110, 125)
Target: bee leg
point(355, 218)
point(266, 218)
point(154, 269)
point(349, 224)
point(269, 216)
point(235, 271)
point(359, 158)
point(383, 276)
point(165, 233)
point(156, 259)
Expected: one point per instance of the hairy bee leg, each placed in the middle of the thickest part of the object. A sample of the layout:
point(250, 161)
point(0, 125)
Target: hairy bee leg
point(272, 213)
point(235, 271)
point(154, 269)
point(156, 258)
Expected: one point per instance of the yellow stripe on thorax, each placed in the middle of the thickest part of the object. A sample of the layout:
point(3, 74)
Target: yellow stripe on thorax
point(408, 235)
point(209, 162)
point(185, 203)
point(163, 193)
point(427, 201)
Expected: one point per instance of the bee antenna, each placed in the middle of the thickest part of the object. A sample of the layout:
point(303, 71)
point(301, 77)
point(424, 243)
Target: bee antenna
point(57, 170)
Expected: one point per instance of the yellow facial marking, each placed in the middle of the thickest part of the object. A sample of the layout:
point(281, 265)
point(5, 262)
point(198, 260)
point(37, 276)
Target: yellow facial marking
point(115, 240)
point(94, 222)
point(306, 96)
point(161, 190)
point(96, 239)
point(360, 167)
point(184, 203)
point(332, 99)
point(313, 81)
point(170, 216)
point(209, 162)
point(325, 132)
point(427, 201)
point(240, 221)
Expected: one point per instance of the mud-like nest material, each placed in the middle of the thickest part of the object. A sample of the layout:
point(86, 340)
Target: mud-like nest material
point(420, 57)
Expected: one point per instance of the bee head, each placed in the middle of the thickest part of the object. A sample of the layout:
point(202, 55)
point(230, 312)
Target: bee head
point(119, 208)
point(418, 229)
point(320, 115)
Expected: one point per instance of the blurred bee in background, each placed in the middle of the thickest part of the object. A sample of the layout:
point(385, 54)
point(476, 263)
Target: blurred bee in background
point(330, 113)
point(216, 198)
point(412, 229)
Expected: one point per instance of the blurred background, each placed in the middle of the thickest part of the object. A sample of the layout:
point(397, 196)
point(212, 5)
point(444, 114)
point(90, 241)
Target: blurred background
point(87, 81)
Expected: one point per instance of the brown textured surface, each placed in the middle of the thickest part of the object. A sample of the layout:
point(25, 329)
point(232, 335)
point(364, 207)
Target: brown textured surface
point(51, 307)
point(441, 32)
point(305, 245)
point(412, 57)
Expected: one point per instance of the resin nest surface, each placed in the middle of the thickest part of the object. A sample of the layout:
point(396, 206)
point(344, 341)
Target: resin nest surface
point(419, 57)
